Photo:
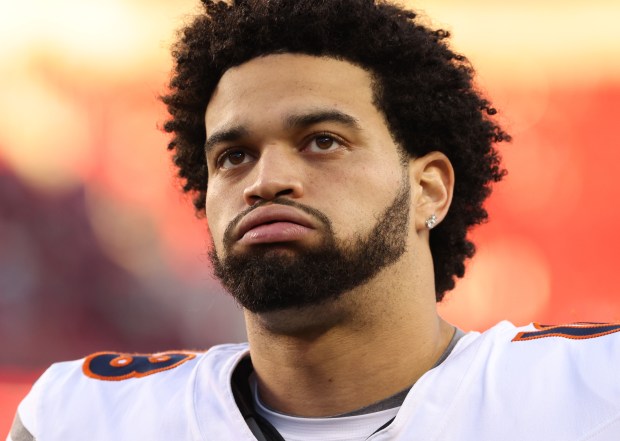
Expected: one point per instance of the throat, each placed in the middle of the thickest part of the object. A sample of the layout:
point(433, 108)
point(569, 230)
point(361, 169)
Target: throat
point(343, 382)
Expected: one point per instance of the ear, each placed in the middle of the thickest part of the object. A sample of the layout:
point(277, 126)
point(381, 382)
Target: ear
point(432, 176)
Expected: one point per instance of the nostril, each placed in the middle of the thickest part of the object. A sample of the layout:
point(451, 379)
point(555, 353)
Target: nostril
point(284, 192)
point(254, 200)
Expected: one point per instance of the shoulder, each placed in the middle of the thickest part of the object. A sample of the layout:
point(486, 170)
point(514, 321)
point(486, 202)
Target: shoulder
point(562, 377)
point(553, 343)
point(83, 396)
point(517, 383)
point(103, 368)
point(578, 356)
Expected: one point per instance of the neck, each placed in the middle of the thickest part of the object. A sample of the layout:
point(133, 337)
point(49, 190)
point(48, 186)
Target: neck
point(332, 359)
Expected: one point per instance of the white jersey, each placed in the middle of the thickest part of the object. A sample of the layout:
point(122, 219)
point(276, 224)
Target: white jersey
point(511, 384)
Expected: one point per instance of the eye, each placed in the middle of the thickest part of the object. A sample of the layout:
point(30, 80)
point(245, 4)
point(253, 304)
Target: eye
point(232, 158)
point(324, 142)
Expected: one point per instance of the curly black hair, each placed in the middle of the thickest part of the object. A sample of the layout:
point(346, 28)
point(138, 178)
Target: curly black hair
point(423, 88)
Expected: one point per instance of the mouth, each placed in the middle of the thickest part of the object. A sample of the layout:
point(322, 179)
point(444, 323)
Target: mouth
point(273, 224)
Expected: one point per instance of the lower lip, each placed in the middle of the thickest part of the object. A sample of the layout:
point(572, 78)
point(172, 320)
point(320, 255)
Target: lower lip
point(275, 232)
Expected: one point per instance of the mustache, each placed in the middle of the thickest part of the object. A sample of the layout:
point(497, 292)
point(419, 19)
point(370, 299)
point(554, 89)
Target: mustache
point(317, 214)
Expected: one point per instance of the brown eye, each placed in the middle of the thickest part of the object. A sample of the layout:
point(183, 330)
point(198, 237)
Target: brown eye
point(233, 158)
point(324, 142)
point(236, 158)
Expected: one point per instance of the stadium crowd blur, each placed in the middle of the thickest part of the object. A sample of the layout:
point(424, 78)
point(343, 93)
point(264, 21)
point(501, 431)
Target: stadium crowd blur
point(62, 295)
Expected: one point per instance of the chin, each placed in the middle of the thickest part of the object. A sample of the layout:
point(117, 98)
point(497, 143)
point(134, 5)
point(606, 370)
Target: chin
point(308, 320)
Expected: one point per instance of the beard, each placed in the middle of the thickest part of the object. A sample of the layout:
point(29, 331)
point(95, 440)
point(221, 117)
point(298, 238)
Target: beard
point(263, 281)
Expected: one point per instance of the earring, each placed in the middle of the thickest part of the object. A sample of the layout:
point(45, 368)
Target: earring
point(431, 221)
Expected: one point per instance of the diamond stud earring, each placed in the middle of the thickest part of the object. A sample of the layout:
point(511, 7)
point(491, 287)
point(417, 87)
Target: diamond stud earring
point(431, 221)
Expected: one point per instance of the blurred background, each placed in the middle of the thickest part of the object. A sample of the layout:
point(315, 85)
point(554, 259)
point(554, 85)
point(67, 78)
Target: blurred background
point(99, 250)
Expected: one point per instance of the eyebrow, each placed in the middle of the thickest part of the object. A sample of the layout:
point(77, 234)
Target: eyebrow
point(226, 135)
point(315, 117)
point(295, 121)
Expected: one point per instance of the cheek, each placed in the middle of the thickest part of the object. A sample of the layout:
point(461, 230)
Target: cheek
point(214, 210)
point(372, 195)
point(360, 200)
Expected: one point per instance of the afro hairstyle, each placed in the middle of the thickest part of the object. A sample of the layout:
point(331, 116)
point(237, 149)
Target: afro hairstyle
point(424, 90)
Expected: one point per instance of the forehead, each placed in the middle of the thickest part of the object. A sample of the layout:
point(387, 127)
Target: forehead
point(285, 83)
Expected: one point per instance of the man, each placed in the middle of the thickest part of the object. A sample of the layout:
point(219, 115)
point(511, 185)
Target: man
point(340, 154)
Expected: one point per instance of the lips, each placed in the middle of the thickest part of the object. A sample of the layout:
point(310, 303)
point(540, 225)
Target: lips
point(273, 223)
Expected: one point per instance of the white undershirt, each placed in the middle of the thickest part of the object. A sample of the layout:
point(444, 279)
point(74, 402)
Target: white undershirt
point(351, 428)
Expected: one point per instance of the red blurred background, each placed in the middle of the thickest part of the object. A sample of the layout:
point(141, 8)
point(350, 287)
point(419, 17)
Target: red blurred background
point(99, 249)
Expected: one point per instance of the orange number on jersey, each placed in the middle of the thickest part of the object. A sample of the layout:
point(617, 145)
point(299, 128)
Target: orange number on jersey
point(113, 366)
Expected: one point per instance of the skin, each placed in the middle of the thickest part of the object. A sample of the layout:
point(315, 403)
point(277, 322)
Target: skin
point(380, 337)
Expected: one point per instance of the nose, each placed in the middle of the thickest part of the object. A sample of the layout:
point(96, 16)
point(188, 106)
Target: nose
point(276, 173)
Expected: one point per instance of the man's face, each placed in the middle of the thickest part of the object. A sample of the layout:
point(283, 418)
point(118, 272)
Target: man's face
point(308, 195)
